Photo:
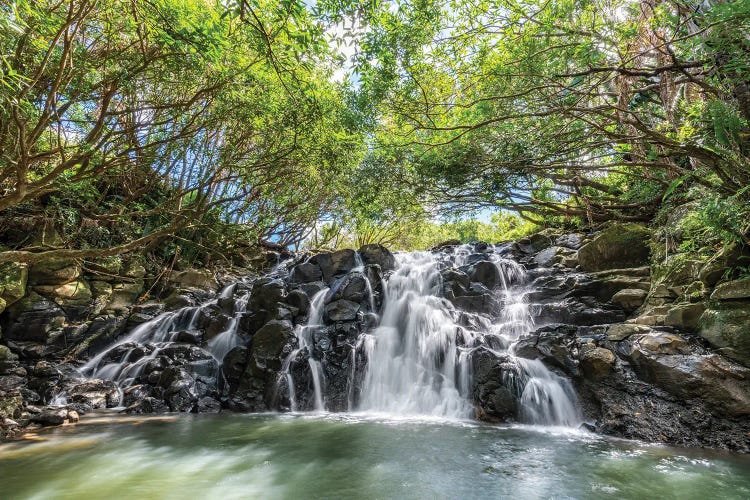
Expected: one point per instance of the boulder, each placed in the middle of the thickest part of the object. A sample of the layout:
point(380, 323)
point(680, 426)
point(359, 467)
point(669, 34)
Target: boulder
point(195, 278)
point(597, 362)
point(306, 272)
point(726, 326)
point(341, 310)
point(54, 272)
point(732, 255)
point(686, 317)
point(553, 255)
point(343, 261)
point(732, 290)
point(486, 273)
point(13, 278)
point(629, 299)
point(618, 246)
point(378, 254)
point(50, 416)
point(32, 318)
point(75, 293)
point(269, 341)
point(353, 287)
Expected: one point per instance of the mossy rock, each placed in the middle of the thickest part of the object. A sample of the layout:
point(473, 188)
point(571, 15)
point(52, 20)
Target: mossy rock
point(618, 246)
point(732, 255)
point(732, 290)
point(13, 279)
point(54, 272)
point(726, 325)
point(75, 293)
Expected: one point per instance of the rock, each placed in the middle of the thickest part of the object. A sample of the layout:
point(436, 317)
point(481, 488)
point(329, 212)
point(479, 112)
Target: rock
point(124, 295)
point(95, 393)
point(685, 316)
point(496, 400)
point(189, 337)
point(619, 246)
point(621, 331)
point(487, 274)
point(208, 405)
point(73, 297)
point(538, 241)
point(72, 416)
point(10, 406)
point(299, 300)
point(446, 245)
point(732, 255)
point(50, 416)
point(732, 290)
point(13, 278)
point(306, 272)
point(343, 261)
point(726, 326)
point(270, 339)
point(54, 272)
point(597, 362)
point(574, 241)
point(629, 299)
point(378, 254)
point(32, 318)
point(341, 310)
point(553, 255)
point(662, 343)
point(352, 287)
point(266, 294)
point(195, 278)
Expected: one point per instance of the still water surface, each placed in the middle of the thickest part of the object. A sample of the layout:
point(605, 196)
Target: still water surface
point(353, 456)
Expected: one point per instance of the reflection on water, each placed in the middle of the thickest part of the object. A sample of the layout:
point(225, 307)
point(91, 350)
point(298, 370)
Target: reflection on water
point(353, 456)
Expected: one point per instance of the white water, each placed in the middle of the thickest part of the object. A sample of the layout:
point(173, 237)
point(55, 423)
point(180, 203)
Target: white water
point(304, 334)
point(419, 357)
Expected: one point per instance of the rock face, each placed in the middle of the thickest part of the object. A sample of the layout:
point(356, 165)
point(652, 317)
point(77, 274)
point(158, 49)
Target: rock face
point(617, 247)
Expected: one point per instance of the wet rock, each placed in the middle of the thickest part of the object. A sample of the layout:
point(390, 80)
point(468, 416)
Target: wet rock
point(147, 405)
point(266, 294)
point(553, 255)
point(95, 393)
point(208, 405)
point(574, 241)
point(597, 362)
point(50, 416)
point(341, 310)
point(306, 272)
point(378, 254)
point(269, 341)
point(343, 261)
point(495, 400)
point(193, 337)
point(619, 246)
point(487, 274)
point(32, 318)
point(299, 300)
point(352, 287)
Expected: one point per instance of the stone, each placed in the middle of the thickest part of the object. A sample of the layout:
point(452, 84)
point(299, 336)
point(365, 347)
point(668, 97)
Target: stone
point(597, 362)
point(306, 272)
point(96, 393)
point(73, 416)
point(487, 274)
point(10, 406)
point(621, 331)
point(124, 295)
point(341, 310)
point(574, 241)
point(299, 300)
point(618, 246)
point(195, 278)
point(662, 343)
point(731, 255)
point(54, 272)
point(50, 416)
point(269, 341)
point(74, 293)
point(343, 261)
point(629, 299)
point(538, 241)
point(726, 326)
point(553, 255)
point(13, 279)
point(32, 318)
point(732, 290)
point(352, 287)
point(685, 316)
point(380, 255)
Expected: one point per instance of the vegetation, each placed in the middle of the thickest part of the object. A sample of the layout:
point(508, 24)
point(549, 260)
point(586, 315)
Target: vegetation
point(199, 127)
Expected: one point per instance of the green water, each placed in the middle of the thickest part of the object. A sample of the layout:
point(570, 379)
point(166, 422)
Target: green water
point(350, 456)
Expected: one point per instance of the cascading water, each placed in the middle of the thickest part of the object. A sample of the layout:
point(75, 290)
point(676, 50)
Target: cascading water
point(419, 357)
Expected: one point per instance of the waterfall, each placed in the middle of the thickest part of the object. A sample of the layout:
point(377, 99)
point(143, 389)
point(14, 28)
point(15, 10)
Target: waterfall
point(305, 344)
point(419, 357)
